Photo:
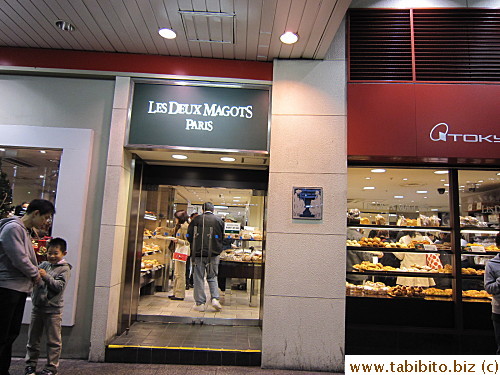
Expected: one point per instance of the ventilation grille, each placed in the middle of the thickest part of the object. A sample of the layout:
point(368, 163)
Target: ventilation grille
point(457, 44)
point(448, 45)
point(380, 45)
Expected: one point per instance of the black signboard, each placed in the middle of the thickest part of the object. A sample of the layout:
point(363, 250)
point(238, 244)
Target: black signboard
point(200, 117)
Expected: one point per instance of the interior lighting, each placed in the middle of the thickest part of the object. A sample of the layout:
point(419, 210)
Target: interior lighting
point(446, 184)
point(236, 200)
point(498, 174)
point(65, 25)
point(179, 157)
point(289, 38)
point(41, 176)
point(421, 191)
point(368, 178)
point(440, 172)
point(369, 188)
point(43, 152)
point(405, 179)
point(480, 181)
point(399, 196)
point(2, 149)
point(378, 170)
point(226, 158)
point(167, 33)
point(237, 197)
point(434, 209)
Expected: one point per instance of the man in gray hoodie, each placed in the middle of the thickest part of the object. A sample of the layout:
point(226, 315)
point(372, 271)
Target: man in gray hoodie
point(18, 272)
point(492, 286)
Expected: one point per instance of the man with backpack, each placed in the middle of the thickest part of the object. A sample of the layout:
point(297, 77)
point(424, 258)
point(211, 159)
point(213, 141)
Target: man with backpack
point(205, 233)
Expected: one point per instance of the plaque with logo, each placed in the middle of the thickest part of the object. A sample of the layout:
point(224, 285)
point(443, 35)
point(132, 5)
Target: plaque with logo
point(223, 118)
point(307, 203)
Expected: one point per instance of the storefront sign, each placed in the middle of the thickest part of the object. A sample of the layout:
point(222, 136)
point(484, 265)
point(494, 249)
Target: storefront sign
point(424, 120)
point(199, 116)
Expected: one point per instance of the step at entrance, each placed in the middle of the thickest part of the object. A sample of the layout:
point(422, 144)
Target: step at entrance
point(174, 343)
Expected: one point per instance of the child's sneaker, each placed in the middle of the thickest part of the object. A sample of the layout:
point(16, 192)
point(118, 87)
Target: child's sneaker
point(47, 372)
point(29, 370)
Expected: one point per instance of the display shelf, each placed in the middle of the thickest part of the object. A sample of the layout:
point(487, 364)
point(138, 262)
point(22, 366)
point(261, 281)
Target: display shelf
point(243, 239)
point(151, 252)
point(397, 227)
point(492, 253)
point(401, 273)
point(396, 250)
point(148, 271)
point(479, 230)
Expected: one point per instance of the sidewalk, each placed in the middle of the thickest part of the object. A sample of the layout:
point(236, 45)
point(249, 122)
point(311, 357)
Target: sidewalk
point(80, 367)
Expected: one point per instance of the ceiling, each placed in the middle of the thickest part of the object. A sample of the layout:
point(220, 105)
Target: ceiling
point(196, 158)
point(225, 29)
point(475, 186)
point(218, 196)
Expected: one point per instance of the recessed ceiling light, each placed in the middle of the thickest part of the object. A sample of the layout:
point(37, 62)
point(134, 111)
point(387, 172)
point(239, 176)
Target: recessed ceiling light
point(442, 180)
point(480, 181)
point(498, 174)
point(226, 158)
point(43, 152)
point(289, 38)
point(399, 196)
point(405, 179)
point(369, 188)
point(65, 25)
point(2, 149)
point(179, 156)
point(236, 200)
point(425, 197)
point(421, 191)
point(41, 176)
point(167, 33)
point(368, 178)
point(440, 172)
point(237, 197)
point(434, 209)
point(378, 170)
point(446, 184)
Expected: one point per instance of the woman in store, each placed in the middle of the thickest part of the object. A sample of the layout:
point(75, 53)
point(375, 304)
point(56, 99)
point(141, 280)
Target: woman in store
point(410, 259)
point(180, 231)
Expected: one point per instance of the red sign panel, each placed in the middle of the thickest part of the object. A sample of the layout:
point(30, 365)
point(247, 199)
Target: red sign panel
point(424, 120)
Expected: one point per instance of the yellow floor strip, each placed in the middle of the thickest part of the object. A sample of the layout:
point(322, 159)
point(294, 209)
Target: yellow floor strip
point(183, 348)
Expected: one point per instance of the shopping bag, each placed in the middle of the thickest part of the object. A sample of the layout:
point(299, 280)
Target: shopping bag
point(434, 261)
point(181, 253)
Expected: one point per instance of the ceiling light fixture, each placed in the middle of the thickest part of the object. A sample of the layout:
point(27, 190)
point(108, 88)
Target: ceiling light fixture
point(369, 188)
point(43, 152)
point(65, 25)
point(399, 196)
point(226, 158)
point(378, 170)
point(179, 157)
point(440, 172)
point(2, 149)
point(421, 191)
point(289, 38)
point(167, 33)
point(405, 179)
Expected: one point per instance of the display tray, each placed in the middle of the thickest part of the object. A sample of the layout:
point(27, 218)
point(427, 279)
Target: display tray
point(151, 252)
point(413, 297)
point(147, 271)
point(426, 298)
point(479, 229)
point(487, 252)
point(397, 250)
point(402, 273)
point(417, 228)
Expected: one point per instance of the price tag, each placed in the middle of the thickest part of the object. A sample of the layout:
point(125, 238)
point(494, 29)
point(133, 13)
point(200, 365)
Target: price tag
point(430, 247)
point(232, 228)
point(478, 249)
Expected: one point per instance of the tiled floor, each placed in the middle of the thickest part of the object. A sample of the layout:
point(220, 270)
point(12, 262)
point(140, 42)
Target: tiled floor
point(81, 367)
point(235, 305)
point(191, 336)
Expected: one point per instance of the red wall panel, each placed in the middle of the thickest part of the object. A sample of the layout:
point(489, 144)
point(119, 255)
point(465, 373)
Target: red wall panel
point(381, 120)
point(135, 63)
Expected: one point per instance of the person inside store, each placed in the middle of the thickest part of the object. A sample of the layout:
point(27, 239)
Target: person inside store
point(180, 231)
point(356, 257)
point(20, 209)
point(18, 272)
point(492, 286)
point(388, 259)
point(189, 266)
point(446, 258)
point(410, 259)
point(205, 234)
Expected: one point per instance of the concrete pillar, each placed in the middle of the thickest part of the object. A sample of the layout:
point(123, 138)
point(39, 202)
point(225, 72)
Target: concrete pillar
point(304, 301)
point(113, 231)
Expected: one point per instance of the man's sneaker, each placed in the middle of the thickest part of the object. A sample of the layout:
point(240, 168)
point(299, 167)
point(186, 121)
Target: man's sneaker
point(29, 370)
point(216, 304)
point(200, 308)
point(47, 372)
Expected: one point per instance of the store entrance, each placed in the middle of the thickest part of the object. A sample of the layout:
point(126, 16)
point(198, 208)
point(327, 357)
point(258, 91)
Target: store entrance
point(240, 268)
point(239, 197)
